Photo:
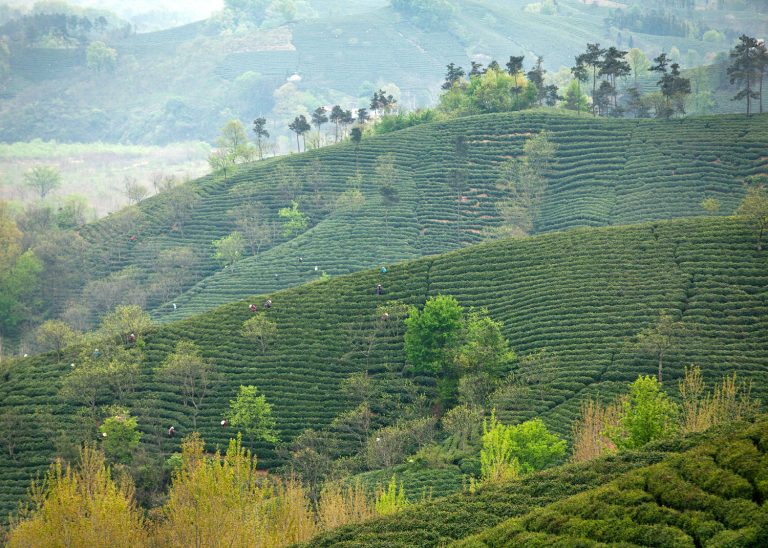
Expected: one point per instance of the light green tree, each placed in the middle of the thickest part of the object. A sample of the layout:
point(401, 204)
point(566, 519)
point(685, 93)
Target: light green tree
point(233, 147)
point(260, 329)
point(431, 339)
point(710, 205)
point(638, 61)
point(295, 221)
point(484, 348)
point(191, 373)
point(754, 208)
point(251, 413)
point(43, 180)
point(100, 57)
point(54, 335)
point(661, 337)
point(392, 499)
point(647, 414)
point(510, 451)
point(524, 182)
point(120, 437)
point(125, 320)
point(432, 334)
point(229, 249)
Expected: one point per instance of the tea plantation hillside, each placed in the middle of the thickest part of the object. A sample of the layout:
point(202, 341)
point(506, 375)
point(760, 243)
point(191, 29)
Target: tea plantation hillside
point(681, 492)
point(605, 172)
point(581, 295)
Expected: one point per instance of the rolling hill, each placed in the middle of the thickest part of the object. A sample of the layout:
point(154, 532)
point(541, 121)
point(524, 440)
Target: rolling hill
point(606, 172)
point(580, 294)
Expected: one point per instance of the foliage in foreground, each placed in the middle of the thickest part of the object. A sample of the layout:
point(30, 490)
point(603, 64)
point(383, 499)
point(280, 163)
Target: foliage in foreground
point(215, 500)
point(711, 495)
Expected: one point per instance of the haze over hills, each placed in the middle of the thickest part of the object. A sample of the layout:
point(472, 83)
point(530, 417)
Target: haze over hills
point(185, 83)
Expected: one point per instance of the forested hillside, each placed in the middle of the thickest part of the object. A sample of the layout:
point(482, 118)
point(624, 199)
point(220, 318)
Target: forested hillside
point(581, 296)
point(184, 83)
point(604, 172)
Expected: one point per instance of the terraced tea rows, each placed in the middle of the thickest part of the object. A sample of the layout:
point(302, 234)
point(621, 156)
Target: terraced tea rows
point(581, 295)
point(606, 172)
point(499, 514)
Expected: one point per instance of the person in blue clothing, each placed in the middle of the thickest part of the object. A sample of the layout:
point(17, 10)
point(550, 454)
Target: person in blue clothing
point(379, 289)
point(383, 269)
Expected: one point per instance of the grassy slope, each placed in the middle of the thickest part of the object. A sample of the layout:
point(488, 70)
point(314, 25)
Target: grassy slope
point(677, 472)
point(580, 294)
point(179, 84)
point(606, 172)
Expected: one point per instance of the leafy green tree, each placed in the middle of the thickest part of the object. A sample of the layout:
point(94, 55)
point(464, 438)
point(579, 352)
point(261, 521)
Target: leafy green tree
point(710, 205)
point(43, 180)
point(463, 424)
point(674, 88)
point(120, 437)
point(663, 336)
point(100, 57)
point(754, 208)
point(233, 142)
point(229, 249)
point(454, 75)
point(386, 177)
point(251, 413)
point(125, 320)
point(98, 374)
point(574, 98)
point(251, 221)
point(295, 221)
point(638, 62)
point(509, 451)
point(357, 137)
point(259, 329)
point(432, 334)
point(188, 370)
point(484, 348)
point(300, 126)
point(11, 423)
point(592, 60)
point(647, 414)
point(260, 130)
point(19, 279)
point(173, 270)
point(749, 60)
point(181, 202)
point(54, 335)
point(524, 182)
point(392, 499)
point(319, 117)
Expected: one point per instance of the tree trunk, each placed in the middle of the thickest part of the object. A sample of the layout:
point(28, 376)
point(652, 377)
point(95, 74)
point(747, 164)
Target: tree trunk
point(298, 143)
point(661, 364)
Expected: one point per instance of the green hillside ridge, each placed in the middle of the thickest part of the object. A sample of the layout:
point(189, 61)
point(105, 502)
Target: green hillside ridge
point(184, 83)
point(605, 172)
point(580, 295)
point(706, 483)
